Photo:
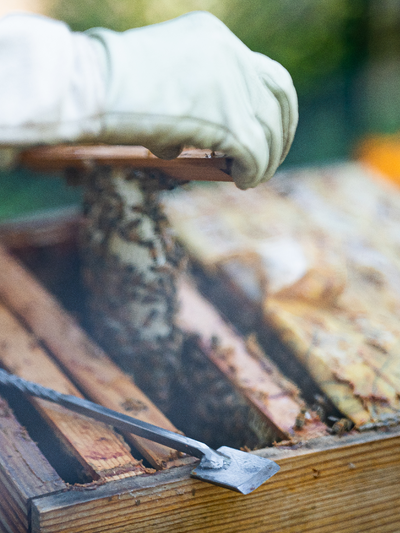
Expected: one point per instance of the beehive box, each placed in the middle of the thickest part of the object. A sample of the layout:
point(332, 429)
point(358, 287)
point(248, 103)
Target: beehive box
point(315, 258)
point(84, 477)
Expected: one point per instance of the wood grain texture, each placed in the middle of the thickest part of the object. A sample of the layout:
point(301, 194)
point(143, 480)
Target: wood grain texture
point(316, 254)
point(24, 473)
point(191, 164)
point(41, 229)
point(250, 371)
point(100, 379)
point(346, 486)
point(101, 452)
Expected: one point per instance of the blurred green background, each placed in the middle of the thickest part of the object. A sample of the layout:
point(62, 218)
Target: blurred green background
point(343, 56)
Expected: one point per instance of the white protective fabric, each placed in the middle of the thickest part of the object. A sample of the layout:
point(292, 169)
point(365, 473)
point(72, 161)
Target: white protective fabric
point(188, 81)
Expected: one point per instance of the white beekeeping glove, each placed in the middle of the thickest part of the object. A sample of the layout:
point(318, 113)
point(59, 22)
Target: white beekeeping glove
point(51, 84)
point(188, 81)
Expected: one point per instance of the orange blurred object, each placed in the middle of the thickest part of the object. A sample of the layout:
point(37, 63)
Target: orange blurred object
point(382, 153)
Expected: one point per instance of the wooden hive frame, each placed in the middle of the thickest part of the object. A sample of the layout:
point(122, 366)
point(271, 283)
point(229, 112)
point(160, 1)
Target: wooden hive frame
point(326, 483)
point(348, 484)
point(316, 269)
point(30, 319)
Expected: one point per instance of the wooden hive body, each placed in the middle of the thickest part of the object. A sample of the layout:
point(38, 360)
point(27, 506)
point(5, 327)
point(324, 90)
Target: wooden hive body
point(317, 265)
point(348, 484)
point(327, 483)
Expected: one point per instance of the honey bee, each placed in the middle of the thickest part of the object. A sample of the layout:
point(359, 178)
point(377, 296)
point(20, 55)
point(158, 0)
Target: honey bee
point(320, 407)
point(342, 426)
point(300, 419)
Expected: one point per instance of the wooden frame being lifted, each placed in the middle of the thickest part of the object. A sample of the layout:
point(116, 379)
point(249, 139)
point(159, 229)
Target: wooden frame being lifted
point(190, 165)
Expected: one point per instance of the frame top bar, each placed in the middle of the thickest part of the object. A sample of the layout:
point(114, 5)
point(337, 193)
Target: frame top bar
point(190, 165)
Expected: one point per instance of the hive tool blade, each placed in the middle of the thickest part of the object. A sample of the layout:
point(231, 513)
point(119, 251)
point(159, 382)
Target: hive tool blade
point(242, 471)
point(233, 469)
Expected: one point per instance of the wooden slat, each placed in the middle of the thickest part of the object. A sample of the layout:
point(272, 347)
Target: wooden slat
point(24, 473)
point(314, 263)
point(189, 165)
point(253, 375)
point(333, 486)
point(47, 228)
point(99, 450)
point(100, 379)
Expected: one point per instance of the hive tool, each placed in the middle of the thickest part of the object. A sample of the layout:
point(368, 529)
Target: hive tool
point(230, 468)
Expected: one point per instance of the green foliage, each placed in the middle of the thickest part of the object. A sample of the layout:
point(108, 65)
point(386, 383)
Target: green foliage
point(309, 37)
point(23, 193)
point(124, 14)
point(114, 14)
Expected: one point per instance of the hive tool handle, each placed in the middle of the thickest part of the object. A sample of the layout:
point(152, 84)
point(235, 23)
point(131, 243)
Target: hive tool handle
point(209, 457)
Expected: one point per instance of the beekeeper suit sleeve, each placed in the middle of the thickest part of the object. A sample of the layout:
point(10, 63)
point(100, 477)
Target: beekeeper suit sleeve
point(186, 82)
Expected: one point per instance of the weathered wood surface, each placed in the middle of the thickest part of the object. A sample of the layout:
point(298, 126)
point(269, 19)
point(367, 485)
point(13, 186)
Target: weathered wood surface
point(347, 486)
point(24, 473)
point(250, 371)
point(253, 376)
point(190, 165)
point(96, 375)
point(100, 451)
point(315, 254)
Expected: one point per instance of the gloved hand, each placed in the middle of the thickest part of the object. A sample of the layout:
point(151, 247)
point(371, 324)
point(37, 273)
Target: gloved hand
point(188, 81)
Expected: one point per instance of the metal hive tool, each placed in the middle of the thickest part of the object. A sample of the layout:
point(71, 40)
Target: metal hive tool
point(227, 467)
